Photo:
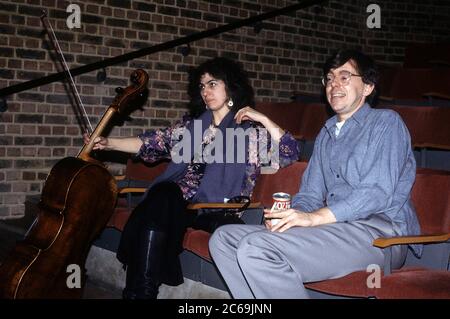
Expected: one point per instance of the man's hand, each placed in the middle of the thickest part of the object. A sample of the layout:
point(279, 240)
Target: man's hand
point(287, 219)
point(292, 217)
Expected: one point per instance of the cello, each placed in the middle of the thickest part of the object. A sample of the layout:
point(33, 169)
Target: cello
point(78, 198)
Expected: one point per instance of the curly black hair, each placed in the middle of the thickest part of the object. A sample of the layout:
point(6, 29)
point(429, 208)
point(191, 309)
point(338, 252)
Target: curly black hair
point(237, 84)
point(363, 64)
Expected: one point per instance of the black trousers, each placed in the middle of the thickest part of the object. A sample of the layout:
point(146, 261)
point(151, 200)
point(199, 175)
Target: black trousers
point(163, 209)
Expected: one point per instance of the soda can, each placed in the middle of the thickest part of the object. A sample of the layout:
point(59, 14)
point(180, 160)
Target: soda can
point(281, 201)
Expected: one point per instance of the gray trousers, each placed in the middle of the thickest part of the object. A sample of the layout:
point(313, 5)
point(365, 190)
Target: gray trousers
point(257, 263)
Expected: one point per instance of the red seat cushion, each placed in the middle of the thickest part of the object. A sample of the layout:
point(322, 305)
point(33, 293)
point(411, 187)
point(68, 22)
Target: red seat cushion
point(408, 282)
point(415, 284)
point(352, 285)
point(196, 241)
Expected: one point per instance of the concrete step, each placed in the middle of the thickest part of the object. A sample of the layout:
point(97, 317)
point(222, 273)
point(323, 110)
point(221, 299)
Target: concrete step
point(105, 271)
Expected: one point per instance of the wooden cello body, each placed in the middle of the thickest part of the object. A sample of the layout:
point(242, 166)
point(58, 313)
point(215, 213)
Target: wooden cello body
point(77, 200)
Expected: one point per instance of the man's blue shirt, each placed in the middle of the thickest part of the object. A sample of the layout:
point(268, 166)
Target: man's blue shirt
point(369, 168)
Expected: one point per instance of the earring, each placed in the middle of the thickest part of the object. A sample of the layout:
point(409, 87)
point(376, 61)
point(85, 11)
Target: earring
point(230, 103)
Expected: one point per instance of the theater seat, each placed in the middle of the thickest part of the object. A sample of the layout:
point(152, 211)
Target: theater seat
point(405, 283)
point(286, 180)
point(303, 120)
point(430, 196)
point(415, 283)
point(138, 176)
point(422, 123)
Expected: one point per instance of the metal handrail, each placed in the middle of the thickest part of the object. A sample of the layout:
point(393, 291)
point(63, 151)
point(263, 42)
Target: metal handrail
point(153, 49)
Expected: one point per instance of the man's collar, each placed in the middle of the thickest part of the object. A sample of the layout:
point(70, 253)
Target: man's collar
point(359, 116)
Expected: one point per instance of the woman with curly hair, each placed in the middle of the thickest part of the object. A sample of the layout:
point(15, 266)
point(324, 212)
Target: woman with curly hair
point(221, 100)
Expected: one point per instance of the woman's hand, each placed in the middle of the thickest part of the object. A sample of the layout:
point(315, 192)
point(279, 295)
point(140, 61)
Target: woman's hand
point(122, 144)
point(248, 113)
point(287, 219)
point(100, 143)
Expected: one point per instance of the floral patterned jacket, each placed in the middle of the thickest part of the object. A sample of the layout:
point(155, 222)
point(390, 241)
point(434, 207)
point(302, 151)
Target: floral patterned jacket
point(158, 144)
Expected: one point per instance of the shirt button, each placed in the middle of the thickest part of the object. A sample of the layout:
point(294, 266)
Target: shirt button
point(337, 176)
point(331, 194)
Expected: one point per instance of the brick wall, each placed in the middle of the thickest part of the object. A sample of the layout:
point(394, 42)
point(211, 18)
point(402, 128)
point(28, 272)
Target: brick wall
point(285, 57)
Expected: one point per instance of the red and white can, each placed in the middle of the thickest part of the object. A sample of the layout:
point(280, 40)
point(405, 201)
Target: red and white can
point(281, 201)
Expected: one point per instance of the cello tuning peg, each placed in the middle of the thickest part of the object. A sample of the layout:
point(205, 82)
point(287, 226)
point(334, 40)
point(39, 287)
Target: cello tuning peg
point(119, 90)
point(3, 105)
point(134, 78)
point(101, 75)
point(144, 94)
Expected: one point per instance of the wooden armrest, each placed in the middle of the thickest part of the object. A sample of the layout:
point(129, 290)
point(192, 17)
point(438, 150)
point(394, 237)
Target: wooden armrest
point(119, 177)
point(437, 95)
point(195, 206)
point(422, 239)
point(386, 98)
point(432, 145)
point(439, 63)
point(127, 190)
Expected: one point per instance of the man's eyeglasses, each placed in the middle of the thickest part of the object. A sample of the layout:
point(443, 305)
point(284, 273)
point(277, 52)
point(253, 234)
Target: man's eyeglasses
point(343, 78)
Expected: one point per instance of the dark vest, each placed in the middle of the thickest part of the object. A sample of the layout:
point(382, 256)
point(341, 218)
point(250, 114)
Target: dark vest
point(220, 180)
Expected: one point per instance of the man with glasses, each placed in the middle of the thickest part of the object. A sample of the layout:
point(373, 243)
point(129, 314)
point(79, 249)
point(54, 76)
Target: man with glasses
point(356, 188)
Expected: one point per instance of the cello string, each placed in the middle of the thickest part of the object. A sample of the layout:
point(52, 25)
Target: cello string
point(74, 103)
point(77, 95)
point(68, 86)
point(66, 68)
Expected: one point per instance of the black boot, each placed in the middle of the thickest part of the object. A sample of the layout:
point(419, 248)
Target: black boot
point(128, 291)
point(144, 269)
